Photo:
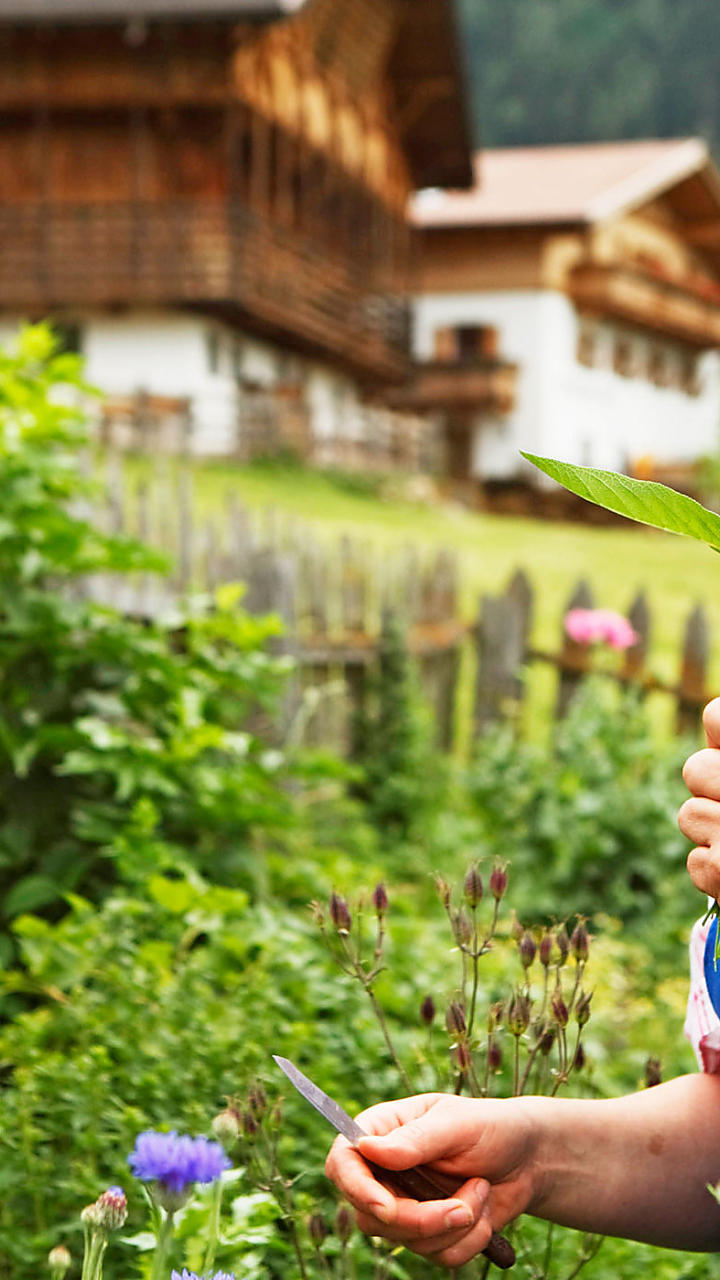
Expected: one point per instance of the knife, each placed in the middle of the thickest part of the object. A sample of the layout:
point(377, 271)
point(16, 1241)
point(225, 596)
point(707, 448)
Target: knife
point(420, 1183)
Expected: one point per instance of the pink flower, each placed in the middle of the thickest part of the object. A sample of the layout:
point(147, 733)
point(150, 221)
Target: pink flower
point(588, 626)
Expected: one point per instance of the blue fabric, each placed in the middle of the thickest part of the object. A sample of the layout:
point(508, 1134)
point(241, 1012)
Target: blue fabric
point(712, 972)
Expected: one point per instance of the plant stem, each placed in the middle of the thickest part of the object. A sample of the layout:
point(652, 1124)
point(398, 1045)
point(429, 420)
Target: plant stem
point(547, 1256)
point(386, 1036)
point(516, 1067)
point(164, 1237)
point(214, 1226)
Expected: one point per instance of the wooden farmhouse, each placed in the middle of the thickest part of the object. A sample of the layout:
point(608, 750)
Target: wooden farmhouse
point(595, 270)
point(209, 198)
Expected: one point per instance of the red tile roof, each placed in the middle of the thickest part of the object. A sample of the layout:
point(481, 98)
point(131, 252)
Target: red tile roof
point(562, 184)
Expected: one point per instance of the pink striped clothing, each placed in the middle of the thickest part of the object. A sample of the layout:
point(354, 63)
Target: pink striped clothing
point(702, 1025)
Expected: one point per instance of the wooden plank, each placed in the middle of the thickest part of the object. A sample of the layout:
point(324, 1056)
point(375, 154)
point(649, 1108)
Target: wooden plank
point(692, 693)
point(576, 657)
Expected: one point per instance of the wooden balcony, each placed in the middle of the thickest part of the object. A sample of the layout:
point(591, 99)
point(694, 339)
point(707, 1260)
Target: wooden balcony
point(483, 383)
point(212, 255)
point(674, 308)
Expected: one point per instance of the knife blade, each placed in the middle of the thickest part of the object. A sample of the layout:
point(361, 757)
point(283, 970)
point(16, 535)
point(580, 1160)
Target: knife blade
point(420, 1183)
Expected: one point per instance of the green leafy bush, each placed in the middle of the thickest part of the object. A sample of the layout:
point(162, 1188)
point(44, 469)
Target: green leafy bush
point(123, 744)
point(589, 819)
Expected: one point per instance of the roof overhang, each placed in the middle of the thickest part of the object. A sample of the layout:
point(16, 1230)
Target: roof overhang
point(94, 12)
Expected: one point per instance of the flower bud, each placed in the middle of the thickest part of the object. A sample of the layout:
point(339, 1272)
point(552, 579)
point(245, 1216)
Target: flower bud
point(562, 942)
point(111, 1209)
point(343, 1224)
point(494, 1055)
point(226, 1127)
point(473, 887)
point(652, 1073)
point(317, 1229)
point(582, 1008)
point(455, 1019)
point(579, 1059)
point(498, 881)
point(380, 899)
point(527, 949)
point(517, 1016)
point(427, 1011)
point(516, 929)
point(340, 913)
point(559, 1008)
point(58, 1261)
point(249, 1124)
point(90, 1216)
point(580, 941)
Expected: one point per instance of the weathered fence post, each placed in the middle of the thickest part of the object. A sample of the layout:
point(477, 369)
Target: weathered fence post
point(501, 640)
point(636, 656)
point(574, 657)
point(692, 692)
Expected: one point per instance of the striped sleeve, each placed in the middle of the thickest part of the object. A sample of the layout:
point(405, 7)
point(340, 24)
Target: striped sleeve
point(702, 1025)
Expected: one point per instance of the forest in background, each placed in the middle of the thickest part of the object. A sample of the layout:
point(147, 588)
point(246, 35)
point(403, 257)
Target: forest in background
point(548, 71)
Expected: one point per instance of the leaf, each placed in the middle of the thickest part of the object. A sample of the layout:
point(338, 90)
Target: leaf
point(643, 500)
point(30, 893)
point(175, 895)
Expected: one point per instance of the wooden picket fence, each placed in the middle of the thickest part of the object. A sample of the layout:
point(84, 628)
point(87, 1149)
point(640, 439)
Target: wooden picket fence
point(332, 597)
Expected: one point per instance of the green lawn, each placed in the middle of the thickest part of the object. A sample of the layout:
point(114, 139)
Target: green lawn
point(617, 561)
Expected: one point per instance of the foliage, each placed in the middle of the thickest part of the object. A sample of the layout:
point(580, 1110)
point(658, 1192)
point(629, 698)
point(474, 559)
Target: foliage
point(643, 500)
point(589, 819)
point(123, 744)
point(403, 778)
point(566, 71)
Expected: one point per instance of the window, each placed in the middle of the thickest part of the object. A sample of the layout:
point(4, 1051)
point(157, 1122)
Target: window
point(466, 343)
point(690, 380)
point(212, 347)
point(625, 357)
point(588, 352)
point(660, 367)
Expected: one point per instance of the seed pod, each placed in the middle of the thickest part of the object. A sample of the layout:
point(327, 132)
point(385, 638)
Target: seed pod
point(547, 1041)
point(340, 913)
point(580, 941)
point(527, 949)
point(653, 1074)
point(494, 1018)
point(462, 1056)
point(562, 943)
point(516, 929)
point(579, 1059)
point(463, 928)
point(582, 1008)
point(455, 1019)
point(443, 890)
point(257, 1100)
point(494, 1055)
point(545, 950)
point(559, 1008)
point(343, 1224)
point(517, 1017)
point(498, 881)
point(473, 887)
point(427, 1011)
point(249, 1124)
point(317, 1229)
point(380, 900)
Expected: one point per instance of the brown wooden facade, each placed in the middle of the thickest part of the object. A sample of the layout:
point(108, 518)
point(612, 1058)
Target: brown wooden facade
point(229, 159)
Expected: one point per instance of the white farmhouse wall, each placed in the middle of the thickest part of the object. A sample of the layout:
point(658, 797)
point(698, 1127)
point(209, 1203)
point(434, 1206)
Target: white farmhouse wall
point(594, 416)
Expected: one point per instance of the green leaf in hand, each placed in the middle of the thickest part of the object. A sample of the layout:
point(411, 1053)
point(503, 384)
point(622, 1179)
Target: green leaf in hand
point(643, 500)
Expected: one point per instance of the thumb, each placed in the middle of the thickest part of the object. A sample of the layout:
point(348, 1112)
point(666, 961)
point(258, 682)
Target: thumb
point(429, 1137)
point(711, 723)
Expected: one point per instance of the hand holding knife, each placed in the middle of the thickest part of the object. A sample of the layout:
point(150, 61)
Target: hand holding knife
point(420, 1183)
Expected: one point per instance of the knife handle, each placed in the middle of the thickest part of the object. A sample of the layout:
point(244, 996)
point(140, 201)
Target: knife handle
point(423, 1183)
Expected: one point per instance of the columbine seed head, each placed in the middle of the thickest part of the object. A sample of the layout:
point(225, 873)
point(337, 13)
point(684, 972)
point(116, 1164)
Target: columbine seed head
point(58, 1261)
point(582, 1008)
point(455, 1019)
point(527, 949)
point(427, 1011)
point(257, 1100)
point(653, 1073)
point(473, 887)
point(226, 1127)
point(562, 942)
point(494, 1056)
point(462, 1055)
point(580, 941)
point(498, 881)
point(317, 1229)
point(559, 1008)
point(343, 1224)
point(579, 1059)
point(443, 890)
point(380, 900)
point(174, 1163)
point(463, 928)
point(517, 1016)
point(545, 949)
point(340, 913)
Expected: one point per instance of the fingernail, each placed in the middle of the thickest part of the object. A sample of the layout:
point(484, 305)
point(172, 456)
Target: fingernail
point(459, 1217)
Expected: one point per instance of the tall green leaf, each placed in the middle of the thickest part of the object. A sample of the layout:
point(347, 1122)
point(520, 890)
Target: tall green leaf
point(643, 500)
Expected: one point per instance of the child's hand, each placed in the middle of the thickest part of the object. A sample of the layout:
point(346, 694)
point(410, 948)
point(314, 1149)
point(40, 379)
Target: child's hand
point(473, 1139)
point(699, 818)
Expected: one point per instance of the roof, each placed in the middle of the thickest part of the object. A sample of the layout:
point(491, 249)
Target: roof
point(581, 183)
point(92, 11)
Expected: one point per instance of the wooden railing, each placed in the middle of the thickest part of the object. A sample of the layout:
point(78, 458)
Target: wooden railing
point(211, 253)
point(640, 297)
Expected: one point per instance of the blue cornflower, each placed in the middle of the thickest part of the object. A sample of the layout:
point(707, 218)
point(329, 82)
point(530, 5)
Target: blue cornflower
point(190, 1275)
point(176, 1161)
